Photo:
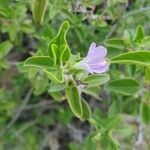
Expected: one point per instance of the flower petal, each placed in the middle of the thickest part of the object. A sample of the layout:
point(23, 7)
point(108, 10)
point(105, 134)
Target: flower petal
point(99, 67)
point(95, 60)
point(101, 51)
point(100, 70)
point(91, 49)
point(96, 52)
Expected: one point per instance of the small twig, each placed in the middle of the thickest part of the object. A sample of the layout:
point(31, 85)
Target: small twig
point(18, 113)
point(25, 101)
point(34, 106)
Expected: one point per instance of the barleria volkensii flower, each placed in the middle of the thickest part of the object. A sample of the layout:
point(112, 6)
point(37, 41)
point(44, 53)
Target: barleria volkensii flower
point(95, 61)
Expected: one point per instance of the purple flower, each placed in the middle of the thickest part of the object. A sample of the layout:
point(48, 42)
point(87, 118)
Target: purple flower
point(95, 61)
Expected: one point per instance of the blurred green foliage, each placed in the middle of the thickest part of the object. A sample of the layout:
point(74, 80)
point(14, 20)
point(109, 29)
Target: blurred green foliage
point(34, 113)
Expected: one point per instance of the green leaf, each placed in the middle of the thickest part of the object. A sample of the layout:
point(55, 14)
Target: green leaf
point(32, 72)
point(107, 143)
point(65, 53)
point(39, 62)
point(61, 50)
point(147, 73)
point(5, 48)
point(56, 87)
point(46, 64)
point(57, 96)
point(27, 27)
point(111, 123)
point(13, 29)
point(145, 43)
point(124, 86)
point(39, 8)
point(96, 79)
point(137, 57)
point(54, 49)
point(6, 106)
point(86, 112)
point(115, 43)
point(145, 112)
point(56, 75)
point(74, 100)
point(114, 108)
point(38, 86)
point(139, 36)
point(93, 91)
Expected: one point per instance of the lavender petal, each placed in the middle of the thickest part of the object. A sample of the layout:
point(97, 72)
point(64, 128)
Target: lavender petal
point(99, 67)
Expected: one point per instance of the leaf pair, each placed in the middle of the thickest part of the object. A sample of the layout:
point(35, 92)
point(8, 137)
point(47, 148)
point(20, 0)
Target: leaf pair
point(58, 52)
point(58, 47)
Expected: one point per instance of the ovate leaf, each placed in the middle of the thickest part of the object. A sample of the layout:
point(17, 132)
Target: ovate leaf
point(96, 79)
point(39, 62)
point(115, 43)
point(5, 48)
point(139, 36)
point(124, 86)
point(137, 57)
